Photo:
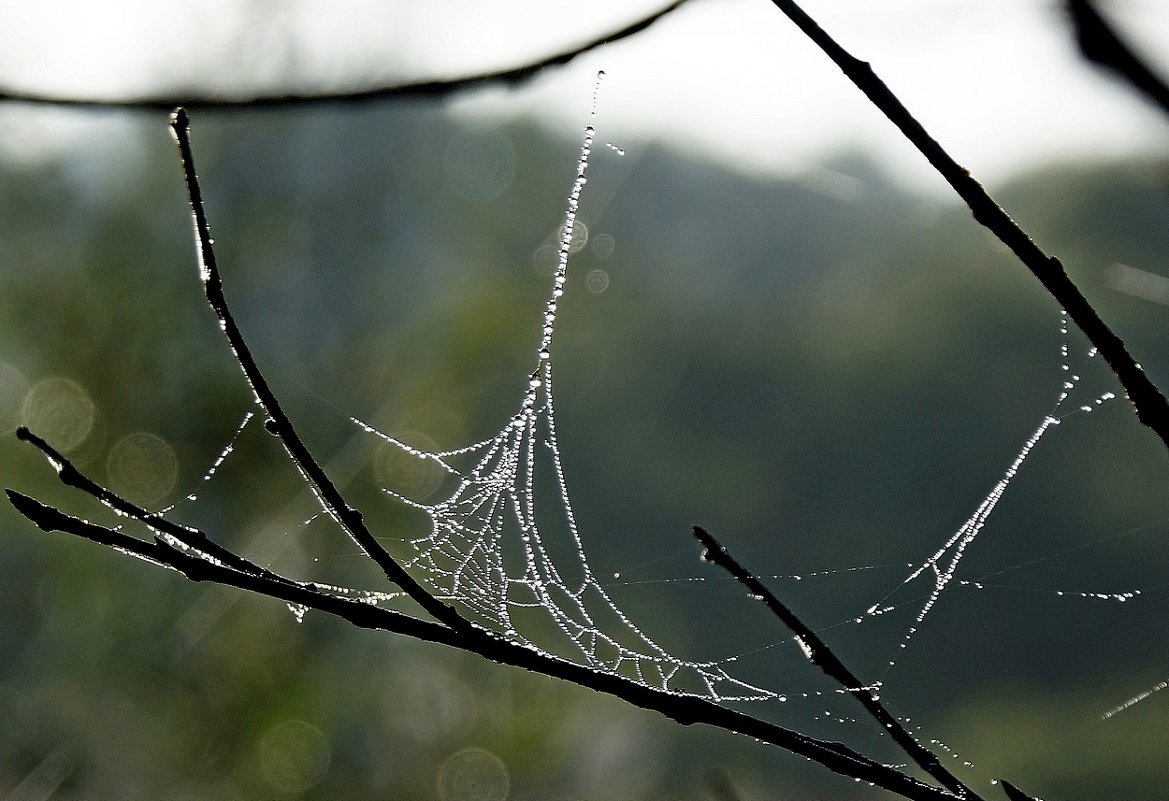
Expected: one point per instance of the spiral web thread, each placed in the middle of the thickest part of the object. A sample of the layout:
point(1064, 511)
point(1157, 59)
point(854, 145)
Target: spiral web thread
point(487, 551)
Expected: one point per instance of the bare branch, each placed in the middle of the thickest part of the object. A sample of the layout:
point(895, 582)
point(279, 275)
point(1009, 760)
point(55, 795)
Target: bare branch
point(687, 710)
point(278, 423)
point(820, 655)
point(1014, 793)
point(1102, 45)
point(511, 77)
point(188, 535)
point(1150, 404)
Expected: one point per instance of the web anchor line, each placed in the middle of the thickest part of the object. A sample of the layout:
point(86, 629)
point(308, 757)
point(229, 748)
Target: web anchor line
point(488, 547)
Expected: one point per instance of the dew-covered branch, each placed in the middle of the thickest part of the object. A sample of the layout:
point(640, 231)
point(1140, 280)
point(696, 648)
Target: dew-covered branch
point(684, 709)
point(1151, 406)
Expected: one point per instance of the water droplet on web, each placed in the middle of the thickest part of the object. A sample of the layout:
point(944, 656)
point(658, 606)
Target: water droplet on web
point(578, 239)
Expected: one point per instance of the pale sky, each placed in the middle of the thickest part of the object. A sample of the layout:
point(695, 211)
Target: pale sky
point(997, 81)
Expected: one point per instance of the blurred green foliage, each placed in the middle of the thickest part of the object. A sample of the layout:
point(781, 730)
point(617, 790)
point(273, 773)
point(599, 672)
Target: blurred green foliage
point(828, 371)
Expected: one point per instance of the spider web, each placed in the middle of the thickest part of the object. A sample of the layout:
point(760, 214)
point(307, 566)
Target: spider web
point(490, 551)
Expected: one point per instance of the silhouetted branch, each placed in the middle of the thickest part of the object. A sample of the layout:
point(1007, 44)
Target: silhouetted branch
point(820, 655)
point(512, 76)
point(1014, 793)
point(332, 502)
point(687, 710)
point(467, 635)
point(1150, 404)
point(1100, 44)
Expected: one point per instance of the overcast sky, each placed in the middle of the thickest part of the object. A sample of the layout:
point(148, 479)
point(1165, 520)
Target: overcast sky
point(997, 81)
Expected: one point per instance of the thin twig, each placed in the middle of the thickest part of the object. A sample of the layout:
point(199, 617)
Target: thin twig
point(1014, 793)
point(687, 710)
point(1150, 404)
point(1102, 45)
point(188, 535)
point(511, 77)
point(820, 655)
point(278, 423)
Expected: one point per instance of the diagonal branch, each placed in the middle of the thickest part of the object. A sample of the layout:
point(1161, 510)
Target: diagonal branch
point(1014, 793)
point(1102, 45)
point(820, 655)
point(687, 710)
point(278, 423)
point(1150, 404)
point(511, 77)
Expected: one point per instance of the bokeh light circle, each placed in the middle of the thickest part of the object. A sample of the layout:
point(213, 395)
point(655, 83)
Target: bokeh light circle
point(142, 467)
point(294, 755)
point(403, 472)
point(59, 411)
point(479, 164)
point(473, 775)
point(597, 281)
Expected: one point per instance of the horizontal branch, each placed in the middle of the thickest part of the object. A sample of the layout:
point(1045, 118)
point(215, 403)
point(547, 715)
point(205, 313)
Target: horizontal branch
point(686, 710)
point(1152, 409)
point(511, 76)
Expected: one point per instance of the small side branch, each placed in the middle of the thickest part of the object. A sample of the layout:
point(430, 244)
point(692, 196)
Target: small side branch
point(820, 655)
point(1152, 409)
point(1102, 45)
point(511, 77)
point(187, 535)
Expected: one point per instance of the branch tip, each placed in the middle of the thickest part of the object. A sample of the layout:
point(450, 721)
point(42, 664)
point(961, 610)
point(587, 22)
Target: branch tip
point(1014, 793)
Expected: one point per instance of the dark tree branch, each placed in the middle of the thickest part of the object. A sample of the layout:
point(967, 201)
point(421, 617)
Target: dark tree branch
point(511, 77)
point(687, 710)
point(331, 500)
point(1150, 404)
point(191, 537)
point(1014, 793)
point(820, 655)
point(1102, 45)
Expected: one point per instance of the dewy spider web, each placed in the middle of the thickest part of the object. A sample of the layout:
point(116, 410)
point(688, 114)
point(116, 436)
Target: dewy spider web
point(488, 551)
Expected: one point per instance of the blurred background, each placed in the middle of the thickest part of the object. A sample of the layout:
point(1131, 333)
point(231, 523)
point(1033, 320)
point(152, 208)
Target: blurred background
point(777, 325)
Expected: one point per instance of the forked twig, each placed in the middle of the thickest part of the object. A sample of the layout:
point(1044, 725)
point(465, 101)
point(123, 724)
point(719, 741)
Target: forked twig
point(686, 710)
point(820, 655)
point(1150, 404)
point(207, 561)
